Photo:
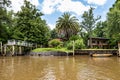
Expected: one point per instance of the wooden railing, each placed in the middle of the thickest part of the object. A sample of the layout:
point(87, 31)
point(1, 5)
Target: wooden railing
point(21, 43)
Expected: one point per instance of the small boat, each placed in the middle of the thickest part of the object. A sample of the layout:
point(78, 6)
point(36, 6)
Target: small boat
point(101, 55)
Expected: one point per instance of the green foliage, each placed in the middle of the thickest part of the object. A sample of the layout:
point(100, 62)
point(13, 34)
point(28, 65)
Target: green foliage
point(100, 29)
point(67, 25)
point(53, 34)
point(4, 20)
point(55, 43)
point(113, 23)
point(29, 26)
point(70, 45)
point(79, 44)
point(88, 22)
point(74, 37)
point(50, 49)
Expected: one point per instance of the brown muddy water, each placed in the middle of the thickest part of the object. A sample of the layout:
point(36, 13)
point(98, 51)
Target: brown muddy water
point(59, 68)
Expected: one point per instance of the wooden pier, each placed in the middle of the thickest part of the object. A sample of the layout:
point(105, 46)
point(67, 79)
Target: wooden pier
point(16, 47)
point(96, 52)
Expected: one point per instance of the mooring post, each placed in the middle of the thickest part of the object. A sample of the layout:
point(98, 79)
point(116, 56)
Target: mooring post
point(73, 48)
point(13, 50)
point(119, 49)
point(1, 47)
point(5, 50)
point(20, 50)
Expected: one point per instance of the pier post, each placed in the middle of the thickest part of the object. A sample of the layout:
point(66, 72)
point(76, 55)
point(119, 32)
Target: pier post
point(119, 49)
point(20, 50)
point(73, 48)
point(13, 50)
point(5, 50)
point(1, 47)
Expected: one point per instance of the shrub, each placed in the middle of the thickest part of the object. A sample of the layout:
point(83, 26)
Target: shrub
point(79, 44)
point(70, 45)
point(55, 43)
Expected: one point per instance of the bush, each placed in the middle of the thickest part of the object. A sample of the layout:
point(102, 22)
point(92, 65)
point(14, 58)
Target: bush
point(55, 43)
point(78, 44)
point(70, 45)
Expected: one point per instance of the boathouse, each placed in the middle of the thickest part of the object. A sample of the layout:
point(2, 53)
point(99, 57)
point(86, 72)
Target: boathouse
point(98, 42)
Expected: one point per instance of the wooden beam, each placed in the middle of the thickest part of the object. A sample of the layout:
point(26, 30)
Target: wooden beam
point(1, 47)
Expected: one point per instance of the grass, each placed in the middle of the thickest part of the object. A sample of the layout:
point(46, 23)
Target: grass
point(50, 49)
point(61, 49)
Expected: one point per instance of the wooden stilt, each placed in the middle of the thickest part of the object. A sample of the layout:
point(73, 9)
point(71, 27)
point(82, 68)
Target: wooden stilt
point(20, 50)
point(5, 50)
point(73, 48)
point(13, 50)
point(1, 47)
point(119, 49)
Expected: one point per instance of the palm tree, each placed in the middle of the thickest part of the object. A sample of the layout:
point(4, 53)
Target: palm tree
point(67, 25)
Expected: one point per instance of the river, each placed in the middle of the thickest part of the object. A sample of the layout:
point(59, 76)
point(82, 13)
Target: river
point(59, 68)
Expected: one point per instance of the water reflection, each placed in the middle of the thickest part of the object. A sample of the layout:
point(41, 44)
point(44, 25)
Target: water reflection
point(59, 68)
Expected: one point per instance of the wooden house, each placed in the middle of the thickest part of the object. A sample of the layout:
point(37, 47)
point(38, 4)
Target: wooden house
point(98, 42)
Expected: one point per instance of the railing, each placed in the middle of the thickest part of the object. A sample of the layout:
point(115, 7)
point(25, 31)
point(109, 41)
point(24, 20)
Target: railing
point(20, 43)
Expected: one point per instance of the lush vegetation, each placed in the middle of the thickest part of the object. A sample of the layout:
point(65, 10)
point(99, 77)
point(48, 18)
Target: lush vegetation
point(56, 43)
point(27, 25)
point(67, 26)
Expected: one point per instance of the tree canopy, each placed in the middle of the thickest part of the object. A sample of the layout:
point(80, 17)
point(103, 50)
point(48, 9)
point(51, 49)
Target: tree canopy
point(29, 26)
point(88, 23)
point(67, 25)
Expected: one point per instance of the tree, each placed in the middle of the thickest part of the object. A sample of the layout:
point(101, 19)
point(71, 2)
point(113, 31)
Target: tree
point(88, 22)
point(29, 26)
point(4, 20)
point(67, 25)
point(100, 29)
point(113, 18)
point(113, 22)
point(53, 34)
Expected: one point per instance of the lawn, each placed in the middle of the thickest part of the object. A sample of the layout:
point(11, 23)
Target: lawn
point(51, 49)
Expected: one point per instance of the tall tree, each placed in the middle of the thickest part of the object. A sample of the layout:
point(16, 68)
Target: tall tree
point(4, 20)
point(88, 22)
point(29, 26)
point(67, 25)
point(113, 22)
point(113, 18)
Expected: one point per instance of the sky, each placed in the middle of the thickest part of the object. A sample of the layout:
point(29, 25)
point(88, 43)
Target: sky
point(52, 9)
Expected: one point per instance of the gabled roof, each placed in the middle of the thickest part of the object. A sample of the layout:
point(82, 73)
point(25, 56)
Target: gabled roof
point(98, 38)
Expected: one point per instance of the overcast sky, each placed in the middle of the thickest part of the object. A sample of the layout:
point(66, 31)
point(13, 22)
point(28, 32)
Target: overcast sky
point(53, 9)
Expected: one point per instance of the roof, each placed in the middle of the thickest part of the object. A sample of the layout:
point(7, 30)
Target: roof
point(98, 38)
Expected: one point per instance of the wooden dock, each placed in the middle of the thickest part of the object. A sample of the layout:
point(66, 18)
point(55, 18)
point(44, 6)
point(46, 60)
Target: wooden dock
point(96, 52)
point(16, 47)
